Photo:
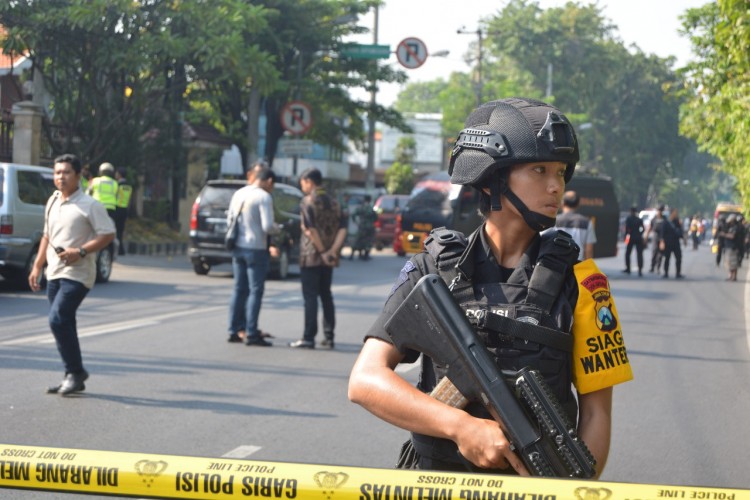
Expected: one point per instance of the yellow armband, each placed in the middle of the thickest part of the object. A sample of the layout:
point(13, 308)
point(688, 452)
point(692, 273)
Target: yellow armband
point(600, 359)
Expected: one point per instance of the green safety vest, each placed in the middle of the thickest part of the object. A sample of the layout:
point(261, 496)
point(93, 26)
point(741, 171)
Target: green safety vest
point(104, 190)
point(124, 191)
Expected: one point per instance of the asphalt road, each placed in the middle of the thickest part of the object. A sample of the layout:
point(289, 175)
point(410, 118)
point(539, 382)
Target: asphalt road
point(164, 380)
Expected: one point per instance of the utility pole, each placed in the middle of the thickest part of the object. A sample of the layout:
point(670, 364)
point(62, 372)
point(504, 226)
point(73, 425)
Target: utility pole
point(479, 83)
point(295, 156)
point(370, 172)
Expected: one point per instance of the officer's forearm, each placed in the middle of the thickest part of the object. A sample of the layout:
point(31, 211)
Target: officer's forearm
point(595, 425)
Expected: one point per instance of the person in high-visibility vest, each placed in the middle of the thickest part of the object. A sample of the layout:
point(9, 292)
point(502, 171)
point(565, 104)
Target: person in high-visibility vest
point(124, 192)
point(104, 188)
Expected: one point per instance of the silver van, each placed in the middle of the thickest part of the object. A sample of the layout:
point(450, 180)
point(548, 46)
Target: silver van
point(24, 191)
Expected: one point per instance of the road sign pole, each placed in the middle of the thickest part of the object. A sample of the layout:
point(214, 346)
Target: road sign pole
point(370, 172)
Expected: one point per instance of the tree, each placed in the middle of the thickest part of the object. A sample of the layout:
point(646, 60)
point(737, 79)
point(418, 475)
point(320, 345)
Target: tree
point(399, 178)
point(124, 75)
point(631, 122)
point(455, 98)
point(119, 73)
point(307, 57)
point(717, 86)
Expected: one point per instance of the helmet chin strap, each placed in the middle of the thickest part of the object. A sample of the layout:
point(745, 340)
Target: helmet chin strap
point(535, 220)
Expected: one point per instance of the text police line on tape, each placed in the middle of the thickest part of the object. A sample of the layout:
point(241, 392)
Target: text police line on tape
point(169, 476)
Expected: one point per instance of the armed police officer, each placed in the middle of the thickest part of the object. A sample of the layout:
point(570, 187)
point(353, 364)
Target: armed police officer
point(519, 153)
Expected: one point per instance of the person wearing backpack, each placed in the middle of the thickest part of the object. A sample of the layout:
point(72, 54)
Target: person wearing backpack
point(519, 153)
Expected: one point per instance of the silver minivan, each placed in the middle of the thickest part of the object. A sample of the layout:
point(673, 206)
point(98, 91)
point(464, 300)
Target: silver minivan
point(24, 191)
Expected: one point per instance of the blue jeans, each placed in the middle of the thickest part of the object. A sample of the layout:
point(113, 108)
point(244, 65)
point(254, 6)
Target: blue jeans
point(250, 269)
point(316, 282)
point(64, 297)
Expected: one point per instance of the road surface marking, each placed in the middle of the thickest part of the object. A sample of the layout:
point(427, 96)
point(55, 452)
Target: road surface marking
point(93, 331)
point(243, 451)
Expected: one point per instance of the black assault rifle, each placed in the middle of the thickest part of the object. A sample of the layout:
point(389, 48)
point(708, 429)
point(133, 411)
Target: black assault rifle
point(430, 321)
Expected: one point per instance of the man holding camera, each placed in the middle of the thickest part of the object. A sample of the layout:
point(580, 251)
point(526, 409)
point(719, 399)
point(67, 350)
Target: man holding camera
point(323, 235)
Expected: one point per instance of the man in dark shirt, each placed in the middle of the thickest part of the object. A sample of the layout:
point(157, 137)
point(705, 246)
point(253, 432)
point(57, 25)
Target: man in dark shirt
point(323, 235)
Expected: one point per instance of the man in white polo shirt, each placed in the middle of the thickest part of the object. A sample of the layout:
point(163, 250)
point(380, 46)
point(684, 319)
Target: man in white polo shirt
point(75, 227)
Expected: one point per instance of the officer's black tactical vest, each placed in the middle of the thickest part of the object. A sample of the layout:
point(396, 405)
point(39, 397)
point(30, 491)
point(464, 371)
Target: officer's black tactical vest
point(525, 321)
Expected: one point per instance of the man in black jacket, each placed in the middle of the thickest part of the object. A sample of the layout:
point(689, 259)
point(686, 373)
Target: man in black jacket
point(672, 235)
point(634, 235)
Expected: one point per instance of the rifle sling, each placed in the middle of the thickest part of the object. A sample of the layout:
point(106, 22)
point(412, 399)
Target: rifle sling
point(525, 331)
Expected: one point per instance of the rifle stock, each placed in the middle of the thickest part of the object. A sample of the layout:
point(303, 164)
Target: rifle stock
point(430, 321)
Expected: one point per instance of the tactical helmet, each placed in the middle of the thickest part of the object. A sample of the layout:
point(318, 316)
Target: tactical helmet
point(506, 132)
point(106, 168)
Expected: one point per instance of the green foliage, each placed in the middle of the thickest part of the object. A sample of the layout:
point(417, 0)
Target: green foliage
point(718, 87)
point(406, 150)
point(399, 178)
point(631, 131)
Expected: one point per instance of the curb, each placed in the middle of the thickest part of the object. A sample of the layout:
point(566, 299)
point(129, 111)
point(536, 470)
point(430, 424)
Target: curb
point(163, 248)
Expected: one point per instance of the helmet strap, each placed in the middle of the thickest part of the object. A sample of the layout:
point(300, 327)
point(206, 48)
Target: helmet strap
point(498, 186)
point(535, 220)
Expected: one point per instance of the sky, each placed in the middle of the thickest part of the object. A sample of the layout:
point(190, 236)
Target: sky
point(651, 24)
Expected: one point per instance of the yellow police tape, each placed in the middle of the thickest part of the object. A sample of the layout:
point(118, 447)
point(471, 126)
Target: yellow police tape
point(168, 476)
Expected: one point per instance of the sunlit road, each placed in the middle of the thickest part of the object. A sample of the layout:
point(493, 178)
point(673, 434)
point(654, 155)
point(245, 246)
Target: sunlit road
point(164, 379)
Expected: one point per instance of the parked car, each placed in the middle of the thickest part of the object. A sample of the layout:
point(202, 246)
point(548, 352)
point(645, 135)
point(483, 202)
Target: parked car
point(388, 207)
point(24, 191)
point(208, 225)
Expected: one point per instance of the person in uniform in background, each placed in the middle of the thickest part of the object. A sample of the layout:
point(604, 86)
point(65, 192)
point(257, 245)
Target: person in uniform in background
point(494, 272)
point(577, 225)
point(672, 235)
point(323, 235)
point(104, 188)
point(741, 238)
point(75, 227)
point(634, 236)
point(365, 218)
point(122, 202)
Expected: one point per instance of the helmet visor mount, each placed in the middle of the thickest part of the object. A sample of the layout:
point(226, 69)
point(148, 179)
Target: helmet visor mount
point(557, 134)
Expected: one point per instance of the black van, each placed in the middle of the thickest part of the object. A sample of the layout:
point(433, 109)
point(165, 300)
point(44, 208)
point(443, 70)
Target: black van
point(457, 207)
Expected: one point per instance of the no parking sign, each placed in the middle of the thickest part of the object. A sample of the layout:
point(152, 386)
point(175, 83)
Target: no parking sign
point(296, 117)
point(411, 52)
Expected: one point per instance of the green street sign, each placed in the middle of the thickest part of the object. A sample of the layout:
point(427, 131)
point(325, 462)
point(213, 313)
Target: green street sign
point(360, 51)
